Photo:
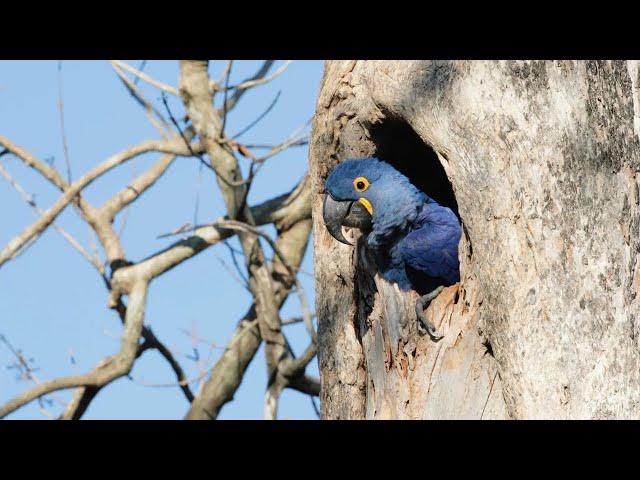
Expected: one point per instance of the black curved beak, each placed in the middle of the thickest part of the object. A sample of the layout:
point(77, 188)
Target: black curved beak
point(348, 213)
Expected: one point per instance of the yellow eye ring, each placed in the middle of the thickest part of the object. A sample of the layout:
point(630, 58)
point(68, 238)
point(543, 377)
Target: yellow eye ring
point(360, 184)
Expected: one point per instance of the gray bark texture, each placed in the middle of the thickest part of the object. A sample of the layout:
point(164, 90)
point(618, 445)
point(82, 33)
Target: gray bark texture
point(543, 159)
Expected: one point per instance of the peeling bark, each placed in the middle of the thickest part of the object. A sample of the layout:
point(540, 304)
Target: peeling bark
point(543, 160)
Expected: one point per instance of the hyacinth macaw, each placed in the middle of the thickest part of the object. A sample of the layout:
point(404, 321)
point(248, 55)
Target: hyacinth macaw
point(413, 238)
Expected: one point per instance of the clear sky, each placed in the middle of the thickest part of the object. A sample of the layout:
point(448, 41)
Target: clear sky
point(53, 304)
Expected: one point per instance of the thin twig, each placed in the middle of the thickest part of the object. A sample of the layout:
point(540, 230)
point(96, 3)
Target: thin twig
point(239, 92)
point(143, 64)
point(225, 74)
point(199, 339)
point(237, 275)
point(26, 370)
point(246, 328)
point(107, 370)
point(71, 193)
point(198, 155)
point(146, 78)
point(184, 138)
point(306, 313)
point(62, 129)
point(270, 146)
point(236, 225)
point(294, 320)
point(154, 116)
point(262, 80)
point(260, 117)
point(29, 199)
point(236, 264)
point(315, 407)
point(282, 147)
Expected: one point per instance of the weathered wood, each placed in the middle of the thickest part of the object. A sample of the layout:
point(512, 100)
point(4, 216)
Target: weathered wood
point(543, 159)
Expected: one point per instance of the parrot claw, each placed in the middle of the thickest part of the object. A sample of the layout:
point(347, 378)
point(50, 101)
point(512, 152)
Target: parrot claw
point(422, 303)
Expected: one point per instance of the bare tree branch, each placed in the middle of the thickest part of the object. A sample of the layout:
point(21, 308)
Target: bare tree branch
point(45, 170)
point(260, 117)
point(133, 191)
point(293, 140)
point(269, 281)
point(294, 206)
point(285, 209)
point(107, 370)
point(154, 116)
point(223, 78)
point(153, 342)
point(194, 87)
point(228, 371)
point(146, 78)
point(101, 221)
point(239, 92)
point(62, 129)
point(198, 155)
point(258, 79)
point(168, 146)
point(85, 394)
point(72, 241)
point(306, 384)
point(243, 227)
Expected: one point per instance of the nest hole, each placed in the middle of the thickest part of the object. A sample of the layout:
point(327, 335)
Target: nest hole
point(399, 145)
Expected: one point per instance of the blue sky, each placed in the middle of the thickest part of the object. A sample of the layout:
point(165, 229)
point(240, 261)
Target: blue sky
point(53, 303)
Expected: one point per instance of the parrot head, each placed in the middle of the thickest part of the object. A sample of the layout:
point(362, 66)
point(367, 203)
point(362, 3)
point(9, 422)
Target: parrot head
point(371, 195)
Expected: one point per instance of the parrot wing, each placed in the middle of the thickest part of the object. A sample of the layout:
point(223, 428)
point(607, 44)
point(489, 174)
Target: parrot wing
point(432, 249)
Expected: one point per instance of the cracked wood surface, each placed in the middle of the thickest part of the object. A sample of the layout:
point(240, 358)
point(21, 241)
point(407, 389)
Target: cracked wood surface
point(543, 159)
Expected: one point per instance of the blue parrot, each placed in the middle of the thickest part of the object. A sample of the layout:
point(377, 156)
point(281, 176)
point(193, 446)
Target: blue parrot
point(413, 238)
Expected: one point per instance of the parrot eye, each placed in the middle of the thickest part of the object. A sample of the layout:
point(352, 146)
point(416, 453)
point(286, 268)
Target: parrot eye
point(361, 184)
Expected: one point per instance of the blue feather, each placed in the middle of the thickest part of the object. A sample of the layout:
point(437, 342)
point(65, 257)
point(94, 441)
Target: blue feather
point(415, 239)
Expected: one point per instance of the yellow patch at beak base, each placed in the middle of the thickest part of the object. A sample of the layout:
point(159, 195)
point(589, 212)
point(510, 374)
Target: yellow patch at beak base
point(366, 204)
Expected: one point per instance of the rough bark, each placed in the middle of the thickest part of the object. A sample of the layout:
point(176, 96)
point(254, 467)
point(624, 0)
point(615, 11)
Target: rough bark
point(543, 159)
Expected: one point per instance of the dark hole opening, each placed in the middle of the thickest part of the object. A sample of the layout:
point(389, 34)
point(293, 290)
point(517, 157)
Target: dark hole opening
point(399, 145)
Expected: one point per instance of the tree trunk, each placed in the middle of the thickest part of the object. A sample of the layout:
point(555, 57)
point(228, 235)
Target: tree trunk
point(540, 160)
